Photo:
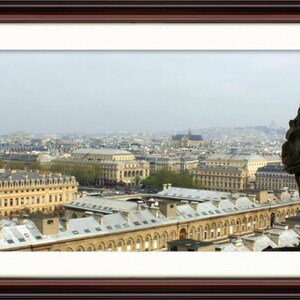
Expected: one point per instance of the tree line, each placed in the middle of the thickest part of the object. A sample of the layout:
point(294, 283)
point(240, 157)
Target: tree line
point(184, 180)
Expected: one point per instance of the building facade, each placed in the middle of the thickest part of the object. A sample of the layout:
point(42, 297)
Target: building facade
point(175, 164)
point(115, 165)
point(248, 162)
point(187, 140)
point(24, 191)
point(274, 177)
point(116, 225)
point(221, 178)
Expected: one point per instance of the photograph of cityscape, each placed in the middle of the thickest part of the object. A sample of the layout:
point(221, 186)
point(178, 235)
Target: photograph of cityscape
point(149, 151)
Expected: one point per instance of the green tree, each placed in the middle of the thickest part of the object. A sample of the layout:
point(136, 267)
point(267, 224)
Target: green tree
point(165, 175)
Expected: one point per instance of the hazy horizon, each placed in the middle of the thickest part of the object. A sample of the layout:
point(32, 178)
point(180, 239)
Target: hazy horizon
point(146, 91)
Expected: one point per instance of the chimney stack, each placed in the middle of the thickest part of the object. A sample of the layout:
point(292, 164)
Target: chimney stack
point(99, 218)
point(139, 204)
point(125, 214)
point(194, 205)
point(65, 223)
point(252, 197)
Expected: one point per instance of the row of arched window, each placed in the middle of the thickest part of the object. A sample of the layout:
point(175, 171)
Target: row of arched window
point(205, 232)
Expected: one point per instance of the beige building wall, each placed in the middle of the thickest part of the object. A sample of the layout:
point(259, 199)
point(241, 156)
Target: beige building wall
point(213, 229)
point(44, 193)
point(221, 179)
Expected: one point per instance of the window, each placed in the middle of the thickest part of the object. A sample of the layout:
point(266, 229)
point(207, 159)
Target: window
point(119, 246)
point(155, 242)
point(138, 244)
point(147, 244)
point(129, 245)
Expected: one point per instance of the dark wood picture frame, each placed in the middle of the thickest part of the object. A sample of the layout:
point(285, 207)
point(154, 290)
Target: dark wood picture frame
point(167, 11)
point(150, 11)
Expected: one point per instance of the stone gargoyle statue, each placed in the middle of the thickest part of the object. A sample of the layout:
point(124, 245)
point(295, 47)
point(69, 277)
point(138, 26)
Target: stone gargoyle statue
point(291, 149)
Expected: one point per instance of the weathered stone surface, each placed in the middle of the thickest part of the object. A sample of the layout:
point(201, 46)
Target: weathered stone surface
point(291, 149)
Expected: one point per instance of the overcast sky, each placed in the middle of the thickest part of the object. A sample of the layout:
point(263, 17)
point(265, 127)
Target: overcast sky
point(138, 91)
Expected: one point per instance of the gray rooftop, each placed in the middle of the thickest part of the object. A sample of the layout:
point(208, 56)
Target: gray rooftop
point(102, 151)
point(8, 175)
point(236, 157)
point(192, 194)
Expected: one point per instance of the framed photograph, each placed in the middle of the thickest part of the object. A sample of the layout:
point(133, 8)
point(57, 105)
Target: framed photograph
point(147, 275)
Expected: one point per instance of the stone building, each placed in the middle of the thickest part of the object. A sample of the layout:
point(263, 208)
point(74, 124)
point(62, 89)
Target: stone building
point(187, 140)
point(32, 191)
point(248, 162)
point(278, 236)
point(175, 164)
point(274, 177)
point(115, 165)
point(221, 178)
point(98, 224)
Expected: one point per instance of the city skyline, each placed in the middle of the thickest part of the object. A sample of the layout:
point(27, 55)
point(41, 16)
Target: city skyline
point(146, 91)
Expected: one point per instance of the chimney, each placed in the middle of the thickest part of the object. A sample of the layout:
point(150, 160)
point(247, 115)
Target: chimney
point(297, 229)
point(216, 203)
point(237, 242)
point(275, 236)
point(250, 243)
point(169, 185)
point(252, 197)
point(155, 211)
point(234, 199)
point(184, 201)
point(139, 204)
point(194, 205)
point(65, 223)
point(125, 214)
point(99, 218)
point(279, 194)
point(164, 187)
point(292, 193)
point(259, 232)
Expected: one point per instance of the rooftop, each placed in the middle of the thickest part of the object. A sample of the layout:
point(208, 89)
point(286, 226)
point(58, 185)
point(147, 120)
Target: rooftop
point(102, 151)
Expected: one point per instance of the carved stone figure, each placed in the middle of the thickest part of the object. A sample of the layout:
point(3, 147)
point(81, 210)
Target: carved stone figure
point(291, 149)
